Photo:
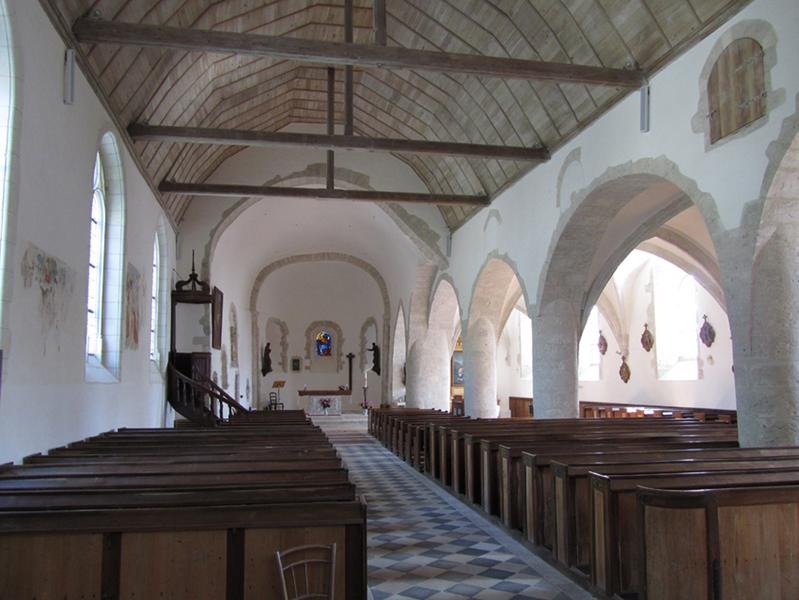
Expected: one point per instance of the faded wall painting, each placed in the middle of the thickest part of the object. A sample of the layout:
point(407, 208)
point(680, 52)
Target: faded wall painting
point(234, 338)
point(56, 282)
point(223, 360)
point(133, 292)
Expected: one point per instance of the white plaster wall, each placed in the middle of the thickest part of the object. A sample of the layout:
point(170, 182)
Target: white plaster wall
point(45, 401)
point(731, 173)
point(302, 293)
point(715, 387)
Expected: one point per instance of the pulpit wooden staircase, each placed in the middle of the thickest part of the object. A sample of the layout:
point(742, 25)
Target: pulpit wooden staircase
point(199, 399)
point(190, 390)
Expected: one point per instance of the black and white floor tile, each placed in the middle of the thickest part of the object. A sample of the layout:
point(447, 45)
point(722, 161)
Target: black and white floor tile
point(425, 544)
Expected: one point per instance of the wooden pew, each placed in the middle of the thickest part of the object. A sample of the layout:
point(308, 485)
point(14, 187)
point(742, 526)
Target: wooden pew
point(490, 464)
point(201, 512)
point(728, 543)
point(572, 537)
point(616, 562)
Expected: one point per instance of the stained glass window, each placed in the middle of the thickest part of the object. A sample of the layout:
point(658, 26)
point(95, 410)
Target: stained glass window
point(324, 344)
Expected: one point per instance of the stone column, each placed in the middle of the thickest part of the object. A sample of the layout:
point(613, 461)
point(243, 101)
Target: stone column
point(428, 373)
point(555, 337)
point(480, 370)
point(766, 345)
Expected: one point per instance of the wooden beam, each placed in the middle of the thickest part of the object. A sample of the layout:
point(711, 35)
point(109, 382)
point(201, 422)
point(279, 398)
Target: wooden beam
point(379, 18)
point(242, 137)
point(237, 191)
point(339, 53)
point(331, 125)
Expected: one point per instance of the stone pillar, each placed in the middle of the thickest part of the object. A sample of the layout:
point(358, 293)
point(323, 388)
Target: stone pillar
point(480, 370)
point(766, 353)
point(428, 373)
point(413, 376)
point(555, 337)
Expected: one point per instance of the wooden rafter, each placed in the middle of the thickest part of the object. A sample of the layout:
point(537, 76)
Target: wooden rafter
point(242, 137)
point(338, 53)
point(238, 191)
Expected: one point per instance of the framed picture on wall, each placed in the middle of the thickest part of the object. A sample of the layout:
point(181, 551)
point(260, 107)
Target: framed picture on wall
point(457, 368)
point(295, 364)
point(216, 318)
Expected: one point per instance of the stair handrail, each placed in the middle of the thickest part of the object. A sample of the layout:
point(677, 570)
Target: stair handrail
point(223, 396)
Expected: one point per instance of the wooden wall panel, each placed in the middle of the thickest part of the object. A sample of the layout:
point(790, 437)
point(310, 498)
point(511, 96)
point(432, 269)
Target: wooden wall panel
point(676, 574)
point(50, 566)
point(758, 552)
point(261, 579)
point(186, 564)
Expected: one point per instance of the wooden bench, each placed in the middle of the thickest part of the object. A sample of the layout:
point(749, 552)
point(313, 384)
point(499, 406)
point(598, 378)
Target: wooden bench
point(616, 560)
point(572, 538)
point(200, 512)
point(728, 543)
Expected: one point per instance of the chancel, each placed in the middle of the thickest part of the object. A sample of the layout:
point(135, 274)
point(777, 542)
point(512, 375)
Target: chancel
point(515, 280)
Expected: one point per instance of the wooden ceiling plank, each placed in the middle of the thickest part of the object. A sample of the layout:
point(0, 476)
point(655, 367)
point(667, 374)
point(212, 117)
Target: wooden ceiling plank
point(239, 137)
point(337, 53)
point(237, 191)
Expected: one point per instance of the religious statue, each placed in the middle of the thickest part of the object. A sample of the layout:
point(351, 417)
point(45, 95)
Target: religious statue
point(375, 350)
point(266, 361)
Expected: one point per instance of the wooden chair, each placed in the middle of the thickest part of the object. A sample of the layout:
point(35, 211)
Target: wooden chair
point(307, 571)
point(274, 401)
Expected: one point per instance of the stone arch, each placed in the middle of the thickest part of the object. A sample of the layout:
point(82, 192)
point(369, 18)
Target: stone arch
point(431, 351)
point(399, 356)
point(495, 292)
point(444, 312)
point(321, 257)
point(338, 341)
point(497, 289)
point(589, 243)
point(363, 343)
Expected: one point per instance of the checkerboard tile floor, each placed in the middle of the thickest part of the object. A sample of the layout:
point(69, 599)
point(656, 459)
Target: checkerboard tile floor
point(425, 544)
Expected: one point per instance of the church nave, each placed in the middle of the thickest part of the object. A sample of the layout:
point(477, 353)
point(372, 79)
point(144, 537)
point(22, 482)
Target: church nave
point(422, 543)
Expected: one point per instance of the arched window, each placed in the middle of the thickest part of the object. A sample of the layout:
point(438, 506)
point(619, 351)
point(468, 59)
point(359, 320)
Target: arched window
point(676, 322)
point(105, 278)
point(154, 298)
point(94, 297)
point(8, 139)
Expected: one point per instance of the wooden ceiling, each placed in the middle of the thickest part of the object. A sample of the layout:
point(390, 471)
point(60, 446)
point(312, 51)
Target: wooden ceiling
point(175, 87)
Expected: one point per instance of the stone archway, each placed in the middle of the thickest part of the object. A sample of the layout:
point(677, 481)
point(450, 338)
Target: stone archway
point(601, 228)
point(320, 257)
point(430, 353)
point(496, 291)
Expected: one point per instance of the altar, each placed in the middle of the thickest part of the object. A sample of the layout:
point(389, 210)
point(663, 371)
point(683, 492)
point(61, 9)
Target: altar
point(311, 401)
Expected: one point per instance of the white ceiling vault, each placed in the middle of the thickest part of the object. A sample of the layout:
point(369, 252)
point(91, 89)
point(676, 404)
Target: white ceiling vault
point(154, 85)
